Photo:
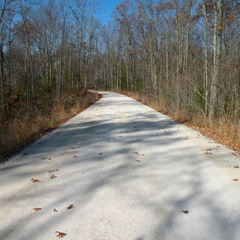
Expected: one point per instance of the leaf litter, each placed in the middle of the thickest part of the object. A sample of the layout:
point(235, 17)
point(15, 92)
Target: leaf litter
point(139, 154)
point(60, 234)
point(51, 171)
point(34, 180)
point(70, 206)
point(37, 209)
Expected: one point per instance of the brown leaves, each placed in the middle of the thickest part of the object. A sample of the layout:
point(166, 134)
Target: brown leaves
point(44, 158)
point(34, 180)
point(235, 179)
point(37, 209)
point(236, 166)
point(51, 171)
point(60, 234)
point(70, 206)
point(139, 154)
point(185, 211)
point(53, 176)
point(55, 210)
point(208, 151)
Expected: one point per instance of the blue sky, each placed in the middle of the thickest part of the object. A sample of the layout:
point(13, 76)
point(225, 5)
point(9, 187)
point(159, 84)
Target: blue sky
point(105, 9)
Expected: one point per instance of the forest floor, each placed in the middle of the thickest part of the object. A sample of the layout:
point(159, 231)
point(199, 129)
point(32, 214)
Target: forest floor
point(223, 131)
point(121, 170)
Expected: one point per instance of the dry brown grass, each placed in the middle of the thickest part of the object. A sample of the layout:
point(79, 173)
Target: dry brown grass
point(22, 129)
point(224, 131)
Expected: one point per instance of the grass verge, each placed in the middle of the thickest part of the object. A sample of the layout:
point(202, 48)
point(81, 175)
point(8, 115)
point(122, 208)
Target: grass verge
point(223, 131)
point(24, 127)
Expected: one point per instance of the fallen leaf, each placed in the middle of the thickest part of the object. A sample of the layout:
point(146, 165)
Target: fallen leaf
point(139, 154)
point(137, 160)
point(185, 211)
point(208, 153)
point(234, 154)
point(70, 206)
point(61, 234)
point(51, 171)
point(49, 159)
point(55, 210)
point(236, 166)
point(37, 209)
point(235, 179)
point(53, 176)
point(208, 149)
point(34, 180)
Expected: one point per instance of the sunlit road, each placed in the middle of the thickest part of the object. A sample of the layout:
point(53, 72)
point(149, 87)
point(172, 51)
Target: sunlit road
point(120, 170)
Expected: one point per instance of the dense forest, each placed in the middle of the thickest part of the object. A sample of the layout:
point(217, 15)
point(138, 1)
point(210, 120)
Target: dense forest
point(184, 54)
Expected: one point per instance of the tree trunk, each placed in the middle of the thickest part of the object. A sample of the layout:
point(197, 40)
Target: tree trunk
point(206, 81)
point(217, 42)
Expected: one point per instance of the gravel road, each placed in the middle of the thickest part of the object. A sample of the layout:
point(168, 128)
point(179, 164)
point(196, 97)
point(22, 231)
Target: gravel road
point(120, 170)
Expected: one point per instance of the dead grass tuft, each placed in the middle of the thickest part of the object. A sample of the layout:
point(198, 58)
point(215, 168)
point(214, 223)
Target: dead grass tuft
point(224, 131)
point(19, 130)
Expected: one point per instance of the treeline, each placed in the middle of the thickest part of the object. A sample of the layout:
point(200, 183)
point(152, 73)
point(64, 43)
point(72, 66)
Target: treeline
point(46, 51)
point(183, 53)
point(186, 53)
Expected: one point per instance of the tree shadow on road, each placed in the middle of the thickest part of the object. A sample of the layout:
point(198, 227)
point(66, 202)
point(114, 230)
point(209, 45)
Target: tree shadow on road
point(112, 153)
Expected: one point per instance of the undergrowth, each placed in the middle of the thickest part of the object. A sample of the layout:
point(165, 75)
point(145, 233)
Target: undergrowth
point(224, 131)
point(21, 127)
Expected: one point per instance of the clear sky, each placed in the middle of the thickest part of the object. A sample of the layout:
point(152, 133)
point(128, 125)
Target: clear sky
point(105, 9)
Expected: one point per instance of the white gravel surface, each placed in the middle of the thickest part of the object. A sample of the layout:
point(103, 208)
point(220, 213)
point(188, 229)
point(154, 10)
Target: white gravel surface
point(129, 172)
